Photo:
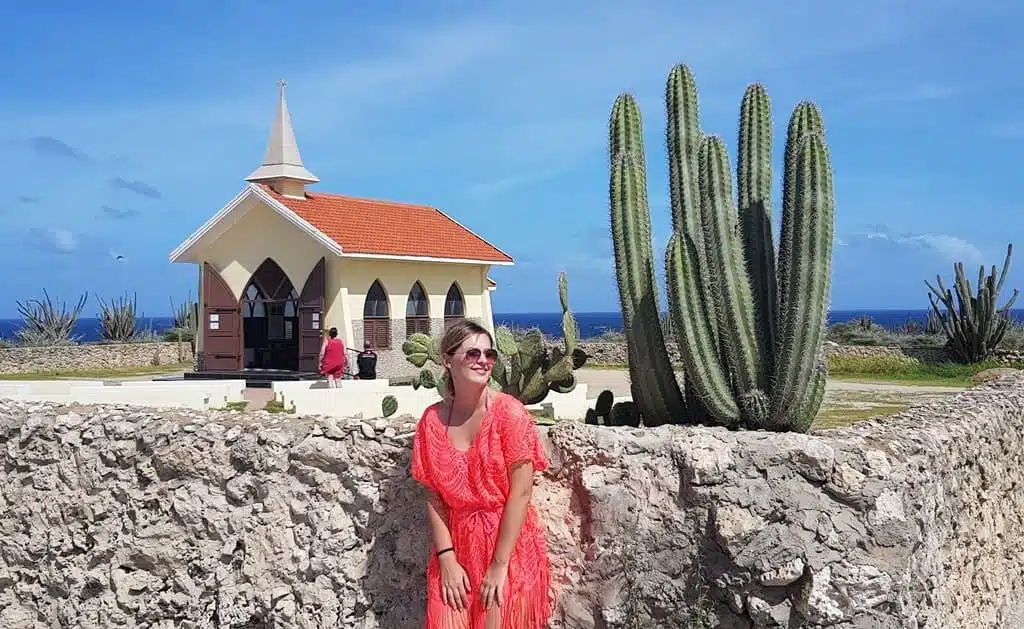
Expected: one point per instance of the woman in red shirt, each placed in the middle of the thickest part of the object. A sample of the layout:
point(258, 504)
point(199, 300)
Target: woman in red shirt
point(332, 358)
point(476, 452)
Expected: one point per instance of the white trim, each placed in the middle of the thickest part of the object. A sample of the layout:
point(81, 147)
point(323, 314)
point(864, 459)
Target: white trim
point(253, 190)
point(389, 256)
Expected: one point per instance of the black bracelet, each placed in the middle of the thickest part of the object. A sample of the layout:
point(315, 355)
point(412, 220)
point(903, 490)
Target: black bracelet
point(446, 550)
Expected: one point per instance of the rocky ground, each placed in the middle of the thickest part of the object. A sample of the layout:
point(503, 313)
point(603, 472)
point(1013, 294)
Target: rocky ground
point(137, 518)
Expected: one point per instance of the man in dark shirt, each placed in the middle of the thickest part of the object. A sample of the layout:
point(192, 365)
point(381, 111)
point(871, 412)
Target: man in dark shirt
point(366, 361)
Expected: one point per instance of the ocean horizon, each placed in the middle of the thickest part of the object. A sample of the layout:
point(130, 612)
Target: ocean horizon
point(591, 324)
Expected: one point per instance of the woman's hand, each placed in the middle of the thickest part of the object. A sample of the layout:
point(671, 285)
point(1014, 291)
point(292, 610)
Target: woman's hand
point(492, 588)
point(454, 582)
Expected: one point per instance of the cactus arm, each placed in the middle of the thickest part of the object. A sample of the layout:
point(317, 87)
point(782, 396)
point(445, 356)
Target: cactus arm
point(806, 118)
point(655, 389)
point(1006, 269)
point(570, 330)
point(811, 220)
point(736, 324)
point(816, 393)
point(754, 177)
point(693, 325)
point(683, 141)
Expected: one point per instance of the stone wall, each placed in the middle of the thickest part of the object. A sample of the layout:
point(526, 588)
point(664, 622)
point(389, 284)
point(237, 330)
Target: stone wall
point(123, 518)
point(615, 353)
point(92, 356)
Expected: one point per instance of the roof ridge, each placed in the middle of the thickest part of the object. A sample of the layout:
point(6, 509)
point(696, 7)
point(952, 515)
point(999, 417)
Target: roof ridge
point(349, 197)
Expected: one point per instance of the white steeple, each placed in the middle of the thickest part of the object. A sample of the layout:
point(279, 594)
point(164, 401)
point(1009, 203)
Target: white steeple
point(282, 165)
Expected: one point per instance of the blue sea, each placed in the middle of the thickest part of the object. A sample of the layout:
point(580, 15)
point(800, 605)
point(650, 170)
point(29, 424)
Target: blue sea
point(591, 324)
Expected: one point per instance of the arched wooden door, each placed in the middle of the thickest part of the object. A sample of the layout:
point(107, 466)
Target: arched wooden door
point(222, 324)
point(311, 316)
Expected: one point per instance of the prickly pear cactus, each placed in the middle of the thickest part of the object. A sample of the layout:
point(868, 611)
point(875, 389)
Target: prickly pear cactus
point(526, 368)
point(601, 414)
point(389, 405)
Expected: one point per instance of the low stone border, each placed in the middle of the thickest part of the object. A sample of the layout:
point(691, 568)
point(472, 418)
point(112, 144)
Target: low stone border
point(92, 356)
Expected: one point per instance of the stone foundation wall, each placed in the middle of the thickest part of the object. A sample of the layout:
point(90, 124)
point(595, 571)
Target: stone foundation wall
point(92, 356)
point(615, 353)
point(118, 517)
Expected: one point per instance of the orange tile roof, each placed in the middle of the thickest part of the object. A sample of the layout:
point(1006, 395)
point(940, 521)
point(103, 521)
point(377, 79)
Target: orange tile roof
point(389, 228)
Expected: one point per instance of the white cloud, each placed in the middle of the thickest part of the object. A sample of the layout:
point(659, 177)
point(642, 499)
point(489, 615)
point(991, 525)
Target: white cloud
point(953, 248)
point(56, 240)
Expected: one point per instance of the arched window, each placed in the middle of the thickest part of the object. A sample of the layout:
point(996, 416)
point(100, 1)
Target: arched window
point(377, 318)
point(454, 305)
point(252, 303)
point(417, 312)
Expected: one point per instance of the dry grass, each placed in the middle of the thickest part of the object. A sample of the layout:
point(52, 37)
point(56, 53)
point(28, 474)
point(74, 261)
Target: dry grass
point(843, 417)
point(99, 374)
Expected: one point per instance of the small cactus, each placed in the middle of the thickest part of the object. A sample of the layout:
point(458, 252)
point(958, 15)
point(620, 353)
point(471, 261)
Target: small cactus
point(624, 414)
point(389, 405)
point(527, 369)
point(602, 411)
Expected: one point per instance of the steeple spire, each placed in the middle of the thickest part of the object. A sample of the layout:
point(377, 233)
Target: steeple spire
point(282, 165)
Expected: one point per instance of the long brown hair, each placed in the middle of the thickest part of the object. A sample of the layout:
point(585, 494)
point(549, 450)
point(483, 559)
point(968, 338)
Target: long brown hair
point(455, 336)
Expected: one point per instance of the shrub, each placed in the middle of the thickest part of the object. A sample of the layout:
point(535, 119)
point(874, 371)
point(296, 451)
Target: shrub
point(46, 323)
point(974, 324)
point(117, 319)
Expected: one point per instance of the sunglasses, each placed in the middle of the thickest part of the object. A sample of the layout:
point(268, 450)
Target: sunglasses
point(473, 355)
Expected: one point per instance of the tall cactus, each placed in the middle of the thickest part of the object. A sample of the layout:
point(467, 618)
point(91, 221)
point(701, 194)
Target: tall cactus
point(653, 383)
point(750, 328)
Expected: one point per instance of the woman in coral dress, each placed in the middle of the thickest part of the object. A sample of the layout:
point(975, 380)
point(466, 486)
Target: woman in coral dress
point(476, 452)
point(332, 358)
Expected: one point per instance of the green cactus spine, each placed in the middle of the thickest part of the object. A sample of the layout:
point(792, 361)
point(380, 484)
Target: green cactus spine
point(754, 178)
point(805, 287)
point(653, 383)
point(750, 327)
point(389, 405)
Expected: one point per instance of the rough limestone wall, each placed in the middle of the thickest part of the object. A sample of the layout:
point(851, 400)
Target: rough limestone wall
point(92, 356)
point(122, 518)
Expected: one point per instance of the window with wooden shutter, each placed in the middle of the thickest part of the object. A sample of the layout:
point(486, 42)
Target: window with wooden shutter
point(454, 305)
point(377, 318)
point(417, 312)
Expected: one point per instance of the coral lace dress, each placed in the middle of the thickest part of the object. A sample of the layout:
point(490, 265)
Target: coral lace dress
point(474, 485)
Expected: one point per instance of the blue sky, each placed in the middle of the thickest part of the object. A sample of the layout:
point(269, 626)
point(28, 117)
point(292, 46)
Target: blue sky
point(126, 125)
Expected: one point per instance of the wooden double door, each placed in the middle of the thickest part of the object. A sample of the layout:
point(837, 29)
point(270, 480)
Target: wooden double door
point(270, 327)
